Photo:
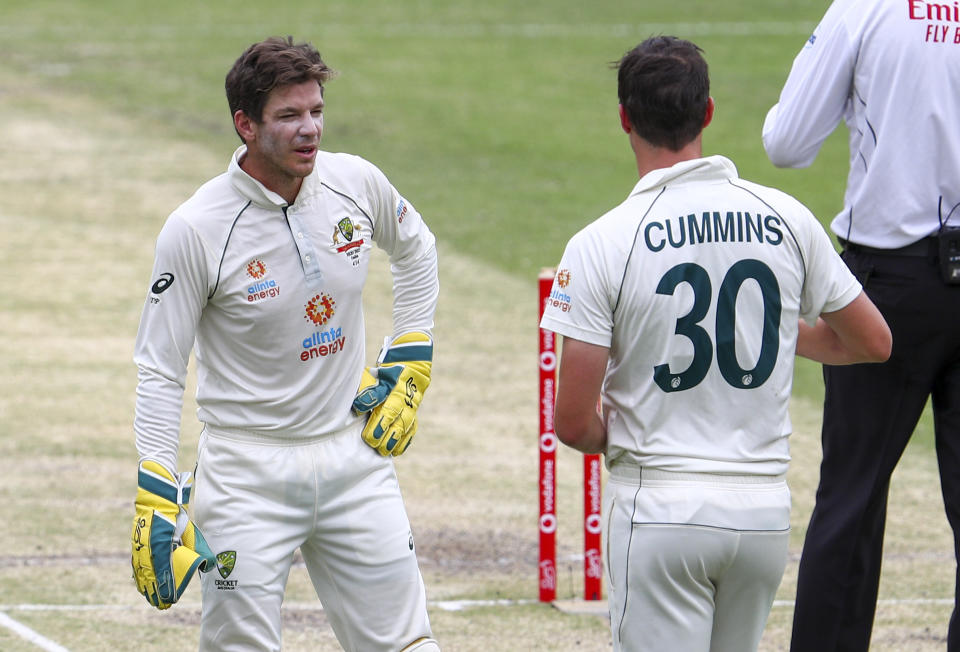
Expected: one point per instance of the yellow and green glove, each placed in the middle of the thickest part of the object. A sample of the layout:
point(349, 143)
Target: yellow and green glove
point(167, 547)
point(391, 392)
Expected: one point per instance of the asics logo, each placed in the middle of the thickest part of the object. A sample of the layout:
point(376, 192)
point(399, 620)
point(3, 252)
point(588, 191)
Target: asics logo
point(162, 283)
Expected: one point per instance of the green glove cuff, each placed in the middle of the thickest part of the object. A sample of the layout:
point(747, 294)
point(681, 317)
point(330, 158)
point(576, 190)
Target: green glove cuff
point(391, 392)
point(413, 351)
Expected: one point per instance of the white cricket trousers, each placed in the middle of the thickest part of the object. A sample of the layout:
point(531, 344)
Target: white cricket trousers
point(693, 560)
point(334, 498)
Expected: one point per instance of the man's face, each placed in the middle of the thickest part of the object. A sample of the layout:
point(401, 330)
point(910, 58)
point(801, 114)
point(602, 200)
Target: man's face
point(283, 146)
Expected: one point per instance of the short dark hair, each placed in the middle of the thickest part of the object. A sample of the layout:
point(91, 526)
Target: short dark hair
point(268, 64)
point(664, 86)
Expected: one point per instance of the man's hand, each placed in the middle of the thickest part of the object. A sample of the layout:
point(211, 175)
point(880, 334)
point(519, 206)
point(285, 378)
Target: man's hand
point(167, 548)
point(391, 392)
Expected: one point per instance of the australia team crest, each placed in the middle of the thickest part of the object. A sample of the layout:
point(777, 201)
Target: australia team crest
point(345, 227)
point(225, 562)
point(347, 239)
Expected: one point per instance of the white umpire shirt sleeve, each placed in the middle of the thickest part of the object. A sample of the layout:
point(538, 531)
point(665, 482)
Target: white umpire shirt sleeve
point(401, 232)
point(815, 95)
point(168, 327)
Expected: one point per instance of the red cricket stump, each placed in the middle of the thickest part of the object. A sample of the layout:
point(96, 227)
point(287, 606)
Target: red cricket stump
point(592, 560)
point(548, 452)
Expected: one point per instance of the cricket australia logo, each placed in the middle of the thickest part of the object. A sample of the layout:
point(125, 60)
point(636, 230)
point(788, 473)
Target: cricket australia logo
point(226, 560)
point(345, 227)
point(348, 230)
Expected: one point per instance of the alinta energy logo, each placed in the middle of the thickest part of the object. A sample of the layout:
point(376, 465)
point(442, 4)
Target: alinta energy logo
point(557, 298)
point(320, 344)
point(256, 269)
point(320, 309)
point(262, 288)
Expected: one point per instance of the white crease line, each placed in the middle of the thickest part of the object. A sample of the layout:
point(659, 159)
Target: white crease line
point(65, 607)
point(460, 605)
point(885, 601)
point(29, 635)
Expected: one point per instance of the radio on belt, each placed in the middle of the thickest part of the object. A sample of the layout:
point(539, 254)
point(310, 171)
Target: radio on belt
point(950, 254)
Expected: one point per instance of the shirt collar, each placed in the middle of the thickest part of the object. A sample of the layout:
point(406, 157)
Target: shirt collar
point(256, 191)
point(710, 168)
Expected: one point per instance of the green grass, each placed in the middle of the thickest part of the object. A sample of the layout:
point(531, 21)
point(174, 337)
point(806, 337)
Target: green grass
point(497, 119)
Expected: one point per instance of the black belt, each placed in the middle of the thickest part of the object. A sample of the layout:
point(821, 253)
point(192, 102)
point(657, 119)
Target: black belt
point(928, 247)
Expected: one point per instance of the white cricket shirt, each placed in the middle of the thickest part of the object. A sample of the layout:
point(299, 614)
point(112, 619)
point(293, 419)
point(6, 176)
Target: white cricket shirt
point(269, 295)
point(891, 70)
point(695, 283)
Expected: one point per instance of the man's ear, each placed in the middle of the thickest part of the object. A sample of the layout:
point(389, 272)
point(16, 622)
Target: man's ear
point(708, 116)
point(244, 125)
point(625, 120)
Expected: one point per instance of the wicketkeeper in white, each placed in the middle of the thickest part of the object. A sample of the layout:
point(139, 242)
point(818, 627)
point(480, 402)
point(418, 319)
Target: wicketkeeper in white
point(261, 273)
point(682, 309)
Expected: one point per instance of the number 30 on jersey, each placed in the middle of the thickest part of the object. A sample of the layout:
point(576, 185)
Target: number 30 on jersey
point(689, 326)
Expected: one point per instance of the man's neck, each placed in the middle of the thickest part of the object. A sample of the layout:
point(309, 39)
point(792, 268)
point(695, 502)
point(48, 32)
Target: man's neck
point(286, 186)
point(650, 157)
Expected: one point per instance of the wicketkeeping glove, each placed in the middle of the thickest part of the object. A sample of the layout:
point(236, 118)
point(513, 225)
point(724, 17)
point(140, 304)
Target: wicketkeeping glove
point(167, 547)
point(391, 392)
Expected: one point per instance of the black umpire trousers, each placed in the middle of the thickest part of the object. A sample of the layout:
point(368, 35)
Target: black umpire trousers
point(870, 412)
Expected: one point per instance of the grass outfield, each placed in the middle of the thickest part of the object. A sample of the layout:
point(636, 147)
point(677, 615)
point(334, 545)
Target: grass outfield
point(497, 119)
point(499, 124)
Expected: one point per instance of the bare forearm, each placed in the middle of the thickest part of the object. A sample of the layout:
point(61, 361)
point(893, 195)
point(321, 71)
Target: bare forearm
point(822, 344)
point(577, 422)
point(854, 334)
point(587, 436)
